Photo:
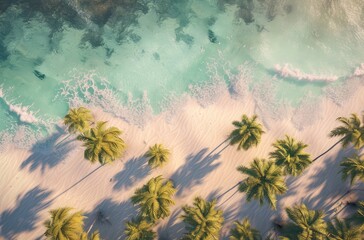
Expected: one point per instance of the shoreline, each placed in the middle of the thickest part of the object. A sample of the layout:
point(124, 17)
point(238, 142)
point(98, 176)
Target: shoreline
point(33, 177)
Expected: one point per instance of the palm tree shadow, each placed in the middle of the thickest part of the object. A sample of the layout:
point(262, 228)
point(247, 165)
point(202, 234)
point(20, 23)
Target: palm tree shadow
point(173, 229)
point(111, 224)
point(194, 170)
point(255, 213)
point(134, 170)
point(25, 215)
point(46, 154)
point(329, 181)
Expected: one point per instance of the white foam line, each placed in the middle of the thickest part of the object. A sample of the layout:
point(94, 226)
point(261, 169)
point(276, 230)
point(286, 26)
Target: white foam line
point(287, 71)
point(359, 71)
point(25, 115)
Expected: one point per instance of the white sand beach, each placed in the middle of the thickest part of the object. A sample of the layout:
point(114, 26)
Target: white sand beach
point(36, 180)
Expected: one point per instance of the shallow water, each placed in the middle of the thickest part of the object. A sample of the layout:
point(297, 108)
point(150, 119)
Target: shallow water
point(143, 54)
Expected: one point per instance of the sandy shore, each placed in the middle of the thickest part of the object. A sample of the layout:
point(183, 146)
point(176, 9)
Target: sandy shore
point(36, 180)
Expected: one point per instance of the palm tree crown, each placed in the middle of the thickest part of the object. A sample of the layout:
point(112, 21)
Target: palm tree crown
point(154, 198)
point(264, 181)
point(248, 132)
point(158, 155)
point(306, 224)
point(203, 220)
point(353, 168)
point(358, 217)
point(139, 230)
point(243, 231)
point(78, 119)
point(102, 144)
point(63, 225)
point(352, 131)
point(290, 155)
point(341, 230)
point(94, 236)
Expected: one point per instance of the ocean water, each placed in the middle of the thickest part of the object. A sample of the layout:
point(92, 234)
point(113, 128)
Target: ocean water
point(136, 57)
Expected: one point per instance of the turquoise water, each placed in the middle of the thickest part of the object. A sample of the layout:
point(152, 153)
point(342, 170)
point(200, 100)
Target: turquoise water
point(138, 54)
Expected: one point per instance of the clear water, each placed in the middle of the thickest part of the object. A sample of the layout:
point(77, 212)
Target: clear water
point(140, 54)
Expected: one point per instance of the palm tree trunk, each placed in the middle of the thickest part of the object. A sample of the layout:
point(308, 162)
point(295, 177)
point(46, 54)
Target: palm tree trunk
point(229, 198)
point(346, 193)
point(64, 139)
point(328, 150)
point(92, 224)
point(76, 183)
point(213, 150)
point(217, 198)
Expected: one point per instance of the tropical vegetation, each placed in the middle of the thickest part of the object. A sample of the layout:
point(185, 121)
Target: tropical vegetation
point(351, 131)
point(264, 181)
point(64, 225)
point(157, 155)
point(78, 120)
point(304, 224)
point(290, 155)
point(154, 199)
point(353, 168)
point(139, 229)
point(358, 217)
point(243, 230)
point(247, 132)
point(94, 236)
point(343, 230)
point(102, 144)
point(203, 220)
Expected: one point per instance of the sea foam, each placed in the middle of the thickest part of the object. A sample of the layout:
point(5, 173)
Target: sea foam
point(289, 72)
point(359, 71)
point(23, 112)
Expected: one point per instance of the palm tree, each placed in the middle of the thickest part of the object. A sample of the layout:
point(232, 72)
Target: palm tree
point(243, 231)
point(264, 181)
point(139, 229)
point(353, 167)
point(305, 224)
point(94, 236)
point(102, 144)
point(342, 230)
point(203, 220)
point(358, 217)
point(248, 132)
point(154, 198)
point(290, 155)
point(158, 155)
point(351, 131)
point(63, 225)
point(78, 120)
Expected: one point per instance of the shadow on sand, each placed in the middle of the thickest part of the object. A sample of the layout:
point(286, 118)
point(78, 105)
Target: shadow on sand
point(25, 215)
point(195, 169)
point(134, 170)
point(46, 153)
point(174, 228)
point(327, 182)
point(330, 182)
point(115, 214)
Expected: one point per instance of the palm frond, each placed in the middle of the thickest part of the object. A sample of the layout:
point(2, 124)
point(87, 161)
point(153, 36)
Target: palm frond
point(247, 133)
point(203, 220)
point(64, 225)
point(264, 181)
point(102, 144)
point(154, 198)
point(354, 168)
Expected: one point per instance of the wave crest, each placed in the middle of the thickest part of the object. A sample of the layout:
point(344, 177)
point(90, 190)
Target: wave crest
point(288, 71)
